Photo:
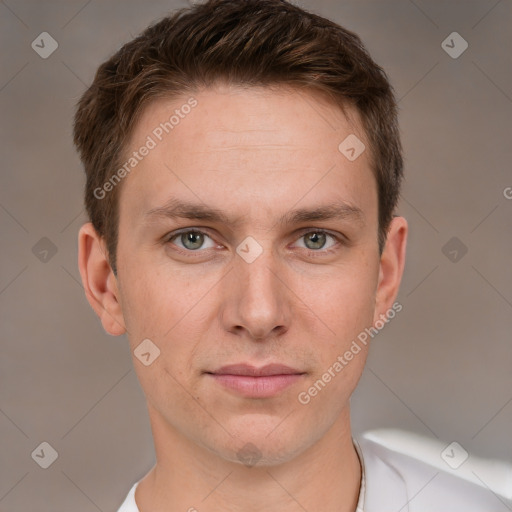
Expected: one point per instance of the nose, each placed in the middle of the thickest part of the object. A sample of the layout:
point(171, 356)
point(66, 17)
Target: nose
point(257, 298)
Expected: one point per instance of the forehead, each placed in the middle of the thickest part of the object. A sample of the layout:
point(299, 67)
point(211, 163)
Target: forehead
point(267, 147)
point(242, 108)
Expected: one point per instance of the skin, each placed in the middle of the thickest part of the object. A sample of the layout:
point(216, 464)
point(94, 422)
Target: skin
point(255, 154)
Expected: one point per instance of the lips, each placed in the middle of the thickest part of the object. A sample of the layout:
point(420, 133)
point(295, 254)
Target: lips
point(252, 371)
point(252, 382)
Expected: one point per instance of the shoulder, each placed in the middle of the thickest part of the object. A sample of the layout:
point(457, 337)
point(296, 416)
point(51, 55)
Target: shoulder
point(412, 473)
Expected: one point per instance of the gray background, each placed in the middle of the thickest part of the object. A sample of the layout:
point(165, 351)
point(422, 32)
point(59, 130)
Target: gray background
point(441, 368)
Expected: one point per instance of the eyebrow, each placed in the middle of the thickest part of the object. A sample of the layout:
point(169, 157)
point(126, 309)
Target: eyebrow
point(175, 208)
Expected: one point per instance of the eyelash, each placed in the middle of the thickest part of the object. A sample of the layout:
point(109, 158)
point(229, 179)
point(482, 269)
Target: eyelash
point(318, 253)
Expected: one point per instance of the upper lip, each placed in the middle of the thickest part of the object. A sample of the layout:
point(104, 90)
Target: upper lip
point(253, 371)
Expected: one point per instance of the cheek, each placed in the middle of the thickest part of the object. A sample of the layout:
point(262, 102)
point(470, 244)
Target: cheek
point(345, 307)
point(173, 398)
point(174, 312)
point(344, 300)
point(155, 303)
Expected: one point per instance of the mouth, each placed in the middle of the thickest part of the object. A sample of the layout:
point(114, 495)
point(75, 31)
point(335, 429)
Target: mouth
point(253, 382)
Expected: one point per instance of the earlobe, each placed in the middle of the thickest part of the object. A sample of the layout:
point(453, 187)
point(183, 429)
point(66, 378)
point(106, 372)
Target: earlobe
point(392, 264)
point(98, 280)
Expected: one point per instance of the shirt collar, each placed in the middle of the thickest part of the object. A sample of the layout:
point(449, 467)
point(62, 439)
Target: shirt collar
point(362, 488)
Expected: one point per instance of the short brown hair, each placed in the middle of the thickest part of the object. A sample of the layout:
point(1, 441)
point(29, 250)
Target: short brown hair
point(249, 42)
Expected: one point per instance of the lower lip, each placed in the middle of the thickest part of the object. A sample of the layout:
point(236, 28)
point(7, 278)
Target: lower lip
point(256, 387)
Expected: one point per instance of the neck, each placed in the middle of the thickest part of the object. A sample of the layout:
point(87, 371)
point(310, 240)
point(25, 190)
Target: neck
point(187, 477)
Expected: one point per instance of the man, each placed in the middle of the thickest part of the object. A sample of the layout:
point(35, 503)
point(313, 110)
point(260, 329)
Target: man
point(243, 168)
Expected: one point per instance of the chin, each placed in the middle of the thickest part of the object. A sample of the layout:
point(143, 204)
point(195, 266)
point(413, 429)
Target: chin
point(262, 446)
point(259, 454)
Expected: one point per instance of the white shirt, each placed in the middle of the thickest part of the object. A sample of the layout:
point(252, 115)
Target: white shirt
point(405, 472)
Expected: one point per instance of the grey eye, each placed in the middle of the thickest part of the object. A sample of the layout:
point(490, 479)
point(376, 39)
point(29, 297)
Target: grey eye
point(192, 240)
point(315, 240)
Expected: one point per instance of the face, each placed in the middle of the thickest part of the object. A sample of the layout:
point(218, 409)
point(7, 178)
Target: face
point(247, 238)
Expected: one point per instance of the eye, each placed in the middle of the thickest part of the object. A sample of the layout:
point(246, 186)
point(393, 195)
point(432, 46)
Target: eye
point(316, 240)
point(191, 240)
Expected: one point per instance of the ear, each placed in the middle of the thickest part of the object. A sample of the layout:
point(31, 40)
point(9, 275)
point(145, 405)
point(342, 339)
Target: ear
point(99, 281)
point(392, 262)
